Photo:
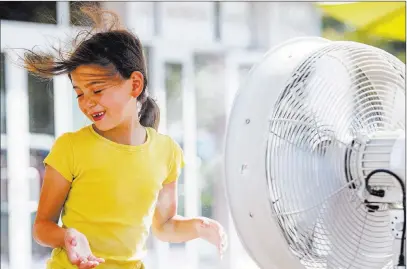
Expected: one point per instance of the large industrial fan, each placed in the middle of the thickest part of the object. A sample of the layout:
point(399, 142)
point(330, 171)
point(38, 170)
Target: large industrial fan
point(315, 157)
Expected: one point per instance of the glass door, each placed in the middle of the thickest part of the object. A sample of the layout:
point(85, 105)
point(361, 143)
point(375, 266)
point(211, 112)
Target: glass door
point(209, 81)
point(172, 85)
point(33, 113)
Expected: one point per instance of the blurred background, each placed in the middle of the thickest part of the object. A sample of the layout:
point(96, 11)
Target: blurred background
point(197, 54)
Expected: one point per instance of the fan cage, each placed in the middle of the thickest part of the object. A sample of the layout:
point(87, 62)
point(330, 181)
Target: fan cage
point(339, 93)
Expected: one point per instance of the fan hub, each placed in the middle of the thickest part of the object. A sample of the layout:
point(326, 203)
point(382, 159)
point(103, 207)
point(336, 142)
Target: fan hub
point(382, 150)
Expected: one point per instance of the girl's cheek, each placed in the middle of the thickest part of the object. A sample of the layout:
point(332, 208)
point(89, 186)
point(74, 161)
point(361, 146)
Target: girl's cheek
point(111, 102)
point(105, 100)
point(80, 104)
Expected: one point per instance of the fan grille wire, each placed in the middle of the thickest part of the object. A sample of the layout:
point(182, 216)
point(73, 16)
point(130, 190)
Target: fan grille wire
point(339, 93)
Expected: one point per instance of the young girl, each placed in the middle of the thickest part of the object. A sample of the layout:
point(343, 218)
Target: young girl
point(115, 178)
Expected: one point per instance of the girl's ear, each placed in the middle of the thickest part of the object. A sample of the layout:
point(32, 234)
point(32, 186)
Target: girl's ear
point(137, 80)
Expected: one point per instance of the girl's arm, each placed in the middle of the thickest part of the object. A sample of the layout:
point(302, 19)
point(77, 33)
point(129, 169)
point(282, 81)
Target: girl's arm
point(54, 191)
point(170, 227)
point(167, 225)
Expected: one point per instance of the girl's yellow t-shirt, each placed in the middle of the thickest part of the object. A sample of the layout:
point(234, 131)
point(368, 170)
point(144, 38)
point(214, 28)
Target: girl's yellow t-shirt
point(113, 193)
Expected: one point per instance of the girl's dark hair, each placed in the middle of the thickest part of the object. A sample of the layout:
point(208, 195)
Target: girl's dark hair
point(107, 44)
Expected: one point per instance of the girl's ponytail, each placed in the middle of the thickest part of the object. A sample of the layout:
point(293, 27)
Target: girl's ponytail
point(150, 113)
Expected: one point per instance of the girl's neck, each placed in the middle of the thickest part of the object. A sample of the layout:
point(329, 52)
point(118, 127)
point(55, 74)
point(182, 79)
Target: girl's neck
point(127, 134)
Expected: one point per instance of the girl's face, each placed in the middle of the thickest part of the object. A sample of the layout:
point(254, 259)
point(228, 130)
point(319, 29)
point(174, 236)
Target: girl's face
point(108, 101)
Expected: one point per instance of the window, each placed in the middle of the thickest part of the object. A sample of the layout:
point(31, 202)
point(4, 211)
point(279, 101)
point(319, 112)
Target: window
point(211, 128)
point(2, 94)
point(217, 20)
point(146, 52)
point(40, 12)
point(211, 131)
point(3, 174)
point(37, 157)
point(77, 17)
point(3, 163)
point(173, 87)
point(41, 105)
point(157, 18)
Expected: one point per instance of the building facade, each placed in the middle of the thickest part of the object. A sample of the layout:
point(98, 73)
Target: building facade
point(197, 54)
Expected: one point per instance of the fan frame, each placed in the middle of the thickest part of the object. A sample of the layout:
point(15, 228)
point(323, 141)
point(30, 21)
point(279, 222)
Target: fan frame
point(247, 188)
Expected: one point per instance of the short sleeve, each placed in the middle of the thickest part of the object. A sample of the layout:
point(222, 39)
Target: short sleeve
point(61, 157)
point(177, 163)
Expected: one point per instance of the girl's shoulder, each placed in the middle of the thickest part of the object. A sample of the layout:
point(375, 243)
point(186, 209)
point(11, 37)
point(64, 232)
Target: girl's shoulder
point(71, 137)
point(162, 139)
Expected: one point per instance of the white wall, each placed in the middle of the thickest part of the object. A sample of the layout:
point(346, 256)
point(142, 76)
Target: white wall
point(292, 19)
point(235, 24)
point(187, 22)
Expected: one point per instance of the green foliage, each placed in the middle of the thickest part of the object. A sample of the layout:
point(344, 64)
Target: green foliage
point(335, 30)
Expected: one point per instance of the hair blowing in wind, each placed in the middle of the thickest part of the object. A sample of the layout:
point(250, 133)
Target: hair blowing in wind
point(106, 43)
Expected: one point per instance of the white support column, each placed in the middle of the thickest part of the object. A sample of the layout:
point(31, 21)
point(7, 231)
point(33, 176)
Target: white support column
point(62, 87)
point(63, 13)
point(18, 166)
point(192, 197)
point(63, 112)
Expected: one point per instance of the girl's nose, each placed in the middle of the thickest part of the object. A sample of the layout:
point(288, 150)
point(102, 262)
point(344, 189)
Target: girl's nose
point(89, 102)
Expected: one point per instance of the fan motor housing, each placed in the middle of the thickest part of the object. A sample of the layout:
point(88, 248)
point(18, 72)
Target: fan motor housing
point(383, 150)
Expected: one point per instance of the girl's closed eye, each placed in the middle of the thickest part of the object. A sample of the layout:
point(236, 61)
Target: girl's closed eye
point(95, 92)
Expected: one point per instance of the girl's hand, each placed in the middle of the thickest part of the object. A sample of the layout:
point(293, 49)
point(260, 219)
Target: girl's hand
point(79, 253)
point(213, 232)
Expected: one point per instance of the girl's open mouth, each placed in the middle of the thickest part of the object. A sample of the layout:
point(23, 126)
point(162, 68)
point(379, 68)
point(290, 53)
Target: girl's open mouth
point(98, 116)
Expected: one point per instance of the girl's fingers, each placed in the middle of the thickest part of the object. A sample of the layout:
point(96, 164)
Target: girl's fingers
point(96, 259)
point(73, 257)
point(205, 223)
point(93, 264)
point(88, 264)
point(100, 260)
point(221, 250)
point(92, 258)
point(83, 265)
point(224, 240)
point(223, 243)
